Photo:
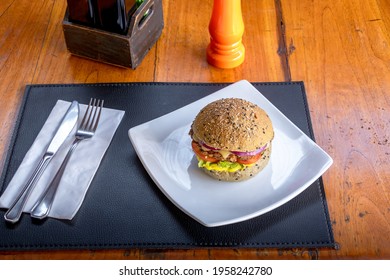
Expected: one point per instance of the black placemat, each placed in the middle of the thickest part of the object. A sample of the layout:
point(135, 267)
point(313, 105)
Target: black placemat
point(125, 209)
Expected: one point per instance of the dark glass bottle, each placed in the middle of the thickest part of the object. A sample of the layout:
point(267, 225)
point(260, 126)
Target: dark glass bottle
point(79, 12)
point(110, 15)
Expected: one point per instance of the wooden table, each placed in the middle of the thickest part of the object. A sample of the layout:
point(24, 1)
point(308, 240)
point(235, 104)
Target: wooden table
point(340, 49)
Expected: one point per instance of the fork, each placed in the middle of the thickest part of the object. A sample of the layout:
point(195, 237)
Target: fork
point(86, 130)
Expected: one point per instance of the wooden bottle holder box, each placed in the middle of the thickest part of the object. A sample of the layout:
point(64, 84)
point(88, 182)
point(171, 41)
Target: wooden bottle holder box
point(121, 50)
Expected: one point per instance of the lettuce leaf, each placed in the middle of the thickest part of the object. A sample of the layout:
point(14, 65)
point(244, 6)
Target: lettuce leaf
point(221, 165)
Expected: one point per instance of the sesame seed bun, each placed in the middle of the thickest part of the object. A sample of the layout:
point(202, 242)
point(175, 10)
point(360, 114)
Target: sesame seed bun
point(233, 124)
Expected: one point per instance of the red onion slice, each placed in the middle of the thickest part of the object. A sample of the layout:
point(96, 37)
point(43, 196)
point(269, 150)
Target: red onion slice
point(251, 153)
point(237, 153)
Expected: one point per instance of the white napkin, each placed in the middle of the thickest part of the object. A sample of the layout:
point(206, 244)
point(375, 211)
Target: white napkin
point(81, 167)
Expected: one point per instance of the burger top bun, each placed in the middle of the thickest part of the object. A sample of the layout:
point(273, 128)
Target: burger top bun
point(233, 124)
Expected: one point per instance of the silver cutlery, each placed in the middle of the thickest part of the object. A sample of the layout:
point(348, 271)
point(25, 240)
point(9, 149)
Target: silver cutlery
point(86, 130)
point(68, 122)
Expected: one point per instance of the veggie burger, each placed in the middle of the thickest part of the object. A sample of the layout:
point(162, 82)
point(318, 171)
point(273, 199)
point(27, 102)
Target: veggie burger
point(231, 138)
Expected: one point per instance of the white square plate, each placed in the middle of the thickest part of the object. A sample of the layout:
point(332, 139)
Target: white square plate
point(164, 148)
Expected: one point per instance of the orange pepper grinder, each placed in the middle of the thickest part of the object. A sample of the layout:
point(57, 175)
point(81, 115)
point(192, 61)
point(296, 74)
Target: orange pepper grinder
point(226, 28)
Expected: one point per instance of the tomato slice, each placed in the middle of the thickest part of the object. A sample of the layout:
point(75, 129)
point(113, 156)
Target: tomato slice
point(249, 159)
point(198, 152)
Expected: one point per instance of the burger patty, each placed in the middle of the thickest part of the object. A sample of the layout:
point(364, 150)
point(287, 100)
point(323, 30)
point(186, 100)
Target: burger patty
point(217, 156)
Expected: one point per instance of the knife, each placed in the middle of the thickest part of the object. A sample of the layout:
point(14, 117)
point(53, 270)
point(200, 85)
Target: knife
point(68, 122)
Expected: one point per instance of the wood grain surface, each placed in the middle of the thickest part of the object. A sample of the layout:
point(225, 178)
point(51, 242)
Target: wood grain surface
point(340, 49)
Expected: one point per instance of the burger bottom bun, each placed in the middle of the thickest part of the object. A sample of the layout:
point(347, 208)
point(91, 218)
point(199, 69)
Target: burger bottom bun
point(242, 175)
